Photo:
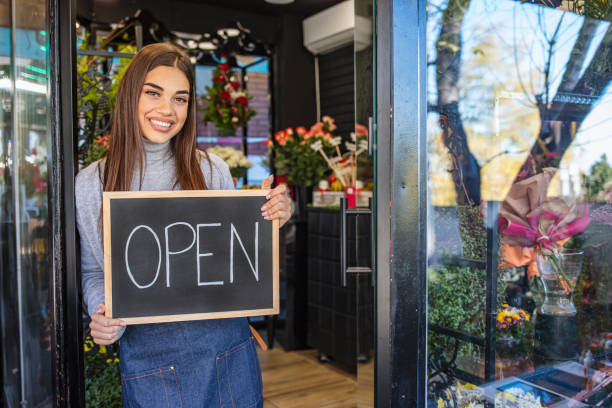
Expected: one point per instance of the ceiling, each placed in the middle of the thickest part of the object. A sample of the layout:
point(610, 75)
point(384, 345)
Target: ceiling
point(298, 7)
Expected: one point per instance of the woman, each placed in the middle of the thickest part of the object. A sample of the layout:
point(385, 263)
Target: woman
point(206, 363)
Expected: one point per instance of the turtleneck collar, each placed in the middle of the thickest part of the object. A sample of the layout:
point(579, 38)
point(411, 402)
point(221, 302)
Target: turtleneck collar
point(156, 151)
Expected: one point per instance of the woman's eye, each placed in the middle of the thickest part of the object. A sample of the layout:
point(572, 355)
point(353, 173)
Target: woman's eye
point(152, 93)
point(181, 100)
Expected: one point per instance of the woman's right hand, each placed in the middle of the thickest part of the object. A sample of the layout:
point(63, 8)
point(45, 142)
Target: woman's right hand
point(104, 330)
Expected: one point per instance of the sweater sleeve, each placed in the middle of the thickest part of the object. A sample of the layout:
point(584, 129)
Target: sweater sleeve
point(88, 191)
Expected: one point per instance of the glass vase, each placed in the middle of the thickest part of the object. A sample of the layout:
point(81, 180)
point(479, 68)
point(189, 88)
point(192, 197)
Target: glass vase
point(556, 327)
point(559, 273)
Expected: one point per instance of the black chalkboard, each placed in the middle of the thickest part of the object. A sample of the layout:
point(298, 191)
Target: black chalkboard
point(188, 255)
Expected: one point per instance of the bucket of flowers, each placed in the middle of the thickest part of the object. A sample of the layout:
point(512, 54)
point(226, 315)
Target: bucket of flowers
point(235, 159)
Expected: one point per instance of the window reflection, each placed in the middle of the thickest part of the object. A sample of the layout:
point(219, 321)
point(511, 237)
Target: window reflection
point(520, 187)
point(26, 312)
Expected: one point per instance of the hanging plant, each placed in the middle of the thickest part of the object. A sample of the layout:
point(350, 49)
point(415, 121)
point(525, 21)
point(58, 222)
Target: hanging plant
point(227, 103)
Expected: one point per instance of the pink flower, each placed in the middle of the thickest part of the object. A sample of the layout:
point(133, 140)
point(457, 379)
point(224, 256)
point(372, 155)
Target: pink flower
point(316, 127)
point(361, 130)
point(300, 130)
point(327, 119)
point(269, 142)
point(289, 131)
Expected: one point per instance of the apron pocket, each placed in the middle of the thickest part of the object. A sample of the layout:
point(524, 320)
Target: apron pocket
point(238, 377)
point(152, 388)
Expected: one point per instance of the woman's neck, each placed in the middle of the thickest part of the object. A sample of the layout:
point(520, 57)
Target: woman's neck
point(156, 151)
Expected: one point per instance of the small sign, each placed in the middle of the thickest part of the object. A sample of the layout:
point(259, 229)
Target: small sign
point(189, 255)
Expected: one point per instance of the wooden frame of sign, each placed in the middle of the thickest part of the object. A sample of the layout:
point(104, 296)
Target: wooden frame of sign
point(114, 197)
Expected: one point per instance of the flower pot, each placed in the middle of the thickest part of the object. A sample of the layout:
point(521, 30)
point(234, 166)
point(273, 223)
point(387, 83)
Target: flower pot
point(555, 321)
point(512, 359)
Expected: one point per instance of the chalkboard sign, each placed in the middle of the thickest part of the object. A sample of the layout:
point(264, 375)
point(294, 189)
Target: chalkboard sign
point(188, 255)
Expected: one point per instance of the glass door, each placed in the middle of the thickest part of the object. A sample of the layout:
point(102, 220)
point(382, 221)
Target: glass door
point(365, 249)
point(519, 266)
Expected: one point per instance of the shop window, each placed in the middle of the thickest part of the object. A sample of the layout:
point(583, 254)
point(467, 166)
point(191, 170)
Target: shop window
point(520, 205)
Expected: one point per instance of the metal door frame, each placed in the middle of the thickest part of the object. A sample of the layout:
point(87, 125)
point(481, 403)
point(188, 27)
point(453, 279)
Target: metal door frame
point(401, 312)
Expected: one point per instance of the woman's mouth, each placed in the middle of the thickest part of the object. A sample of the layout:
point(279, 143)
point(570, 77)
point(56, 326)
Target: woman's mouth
point(161, 125)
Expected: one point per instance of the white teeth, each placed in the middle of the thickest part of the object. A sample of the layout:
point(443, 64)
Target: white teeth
point(160, 123)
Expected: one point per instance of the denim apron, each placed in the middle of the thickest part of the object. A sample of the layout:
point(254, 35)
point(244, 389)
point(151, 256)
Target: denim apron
point(197, 364)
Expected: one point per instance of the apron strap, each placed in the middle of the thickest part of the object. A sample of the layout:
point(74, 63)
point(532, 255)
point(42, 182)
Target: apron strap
point(260, 341)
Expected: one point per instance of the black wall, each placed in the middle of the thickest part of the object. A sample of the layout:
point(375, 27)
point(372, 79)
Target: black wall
point(293, 68)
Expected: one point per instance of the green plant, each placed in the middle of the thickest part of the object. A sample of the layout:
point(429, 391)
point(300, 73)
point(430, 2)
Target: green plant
point(97, 94)
point(102, 376)
point(457, 300)
point(227, 103)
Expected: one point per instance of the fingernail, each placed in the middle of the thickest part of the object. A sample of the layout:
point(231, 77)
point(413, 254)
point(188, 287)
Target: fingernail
point(264, 208)
point(267, 218)
point(99, 310)
point(268, 196)
point(122, 323)
point(264, 213)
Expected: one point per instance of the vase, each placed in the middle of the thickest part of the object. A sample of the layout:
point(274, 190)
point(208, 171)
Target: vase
point(556, 328)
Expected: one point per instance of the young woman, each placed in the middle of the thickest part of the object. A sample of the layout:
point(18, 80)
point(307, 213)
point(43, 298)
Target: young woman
point(206, 363)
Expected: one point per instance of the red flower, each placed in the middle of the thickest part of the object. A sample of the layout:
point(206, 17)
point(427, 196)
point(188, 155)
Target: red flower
point(224, 95)
point(268, 142)
point(219, 78)
point(224, 67)
point(235, 84)
point(242, 100)
point(289, 131)
point(300, 130)
point(279, 135)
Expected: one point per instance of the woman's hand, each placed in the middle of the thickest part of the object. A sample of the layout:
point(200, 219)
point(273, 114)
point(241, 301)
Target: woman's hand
point(278, 206)
point(104, 330)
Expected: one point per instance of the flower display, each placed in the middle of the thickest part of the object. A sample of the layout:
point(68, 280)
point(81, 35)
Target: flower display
point(235, 159)
point(294, 157)
point(227, 103)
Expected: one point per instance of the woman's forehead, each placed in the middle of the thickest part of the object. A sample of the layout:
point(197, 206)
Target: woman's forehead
point(168, 78)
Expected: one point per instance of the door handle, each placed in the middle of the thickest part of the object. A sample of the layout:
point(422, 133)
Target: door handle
point(370, 136)
point(344, 213)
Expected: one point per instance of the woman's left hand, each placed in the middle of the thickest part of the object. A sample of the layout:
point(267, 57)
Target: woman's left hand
point(278, 206)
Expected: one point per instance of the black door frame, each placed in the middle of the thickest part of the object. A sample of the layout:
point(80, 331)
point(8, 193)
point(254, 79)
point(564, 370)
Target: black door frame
point(68, 340)
point(401, 354)
point(401, 291)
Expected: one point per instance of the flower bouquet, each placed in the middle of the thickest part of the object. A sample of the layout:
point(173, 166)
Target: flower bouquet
point(532, 224)
point(227, 103)
point(235, 159)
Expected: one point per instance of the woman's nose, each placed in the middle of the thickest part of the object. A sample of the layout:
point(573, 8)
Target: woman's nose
point(165, 106)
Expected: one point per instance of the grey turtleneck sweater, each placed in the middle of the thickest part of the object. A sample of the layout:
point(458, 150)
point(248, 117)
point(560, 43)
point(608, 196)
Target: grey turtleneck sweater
point(158, 174)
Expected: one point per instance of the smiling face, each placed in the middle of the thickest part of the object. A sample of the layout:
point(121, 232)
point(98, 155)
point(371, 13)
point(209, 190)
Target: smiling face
point(163, 103)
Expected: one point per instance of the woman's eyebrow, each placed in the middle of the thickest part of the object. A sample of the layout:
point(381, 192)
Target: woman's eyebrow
point(161, 89)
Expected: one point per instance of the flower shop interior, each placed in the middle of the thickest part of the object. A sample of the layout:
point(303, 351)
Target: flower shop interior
point(449, 164)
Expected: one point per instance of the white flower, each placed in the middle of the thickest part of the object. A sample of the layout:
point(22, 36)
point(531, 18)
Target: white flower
point(235, 119)
point(316, 146)
point(336, 141)
point(236, 95)
point(351, 147)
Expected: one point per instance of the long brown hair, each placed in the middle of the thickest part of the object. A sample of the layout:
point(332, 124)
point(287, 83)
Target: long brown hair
point(126, 144)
